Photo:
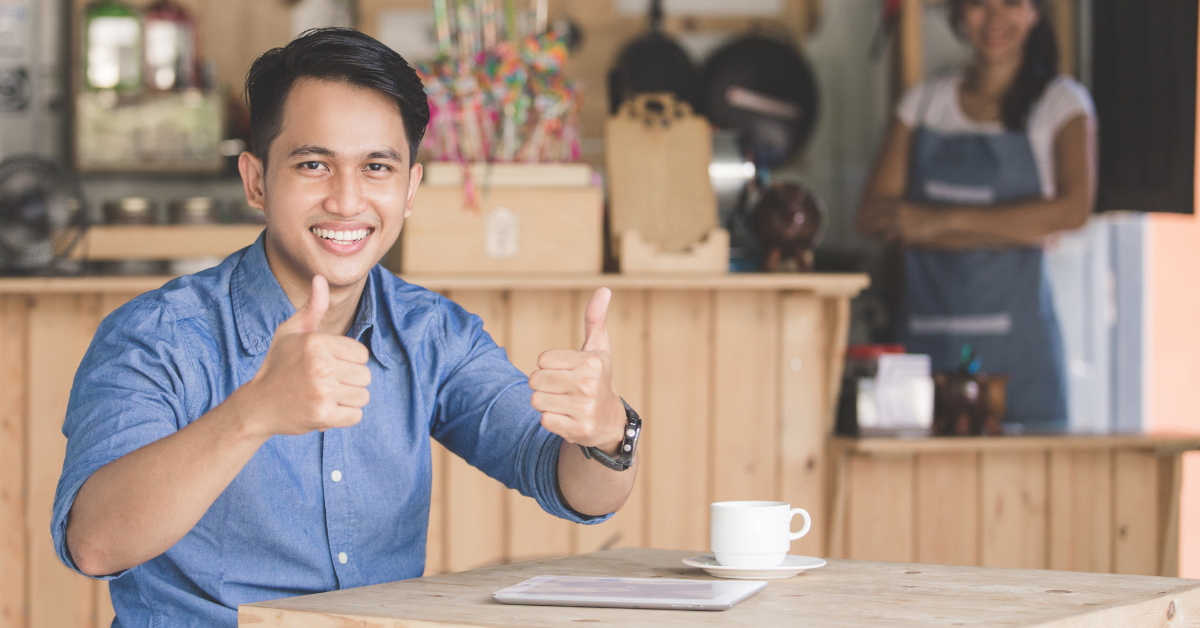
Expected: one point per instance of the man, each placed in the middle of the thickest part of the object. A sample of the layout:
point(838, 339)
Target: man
point(261, 429)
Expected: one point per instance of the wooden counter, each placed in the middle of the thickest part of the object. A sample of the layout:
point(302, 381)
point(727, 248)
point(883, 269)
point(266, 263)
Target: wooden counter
point(1079, 503)
point(834, 285)
point(736, 376)
point(843, 594)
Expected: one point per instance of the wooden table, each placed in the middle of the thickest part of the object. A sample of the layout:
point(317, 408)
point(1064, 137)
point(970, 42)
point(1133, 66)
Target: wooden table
point(844, 594)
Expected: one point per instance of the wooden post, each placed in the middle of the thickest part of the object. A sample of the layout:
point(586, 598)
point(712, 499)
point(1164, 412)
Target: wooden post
point(474, 517)
point(1063, 19)
point(13, 541)
point(805, 426)
point(909, 39)
point(627, 336)
point(679, 400)
point(538, 320)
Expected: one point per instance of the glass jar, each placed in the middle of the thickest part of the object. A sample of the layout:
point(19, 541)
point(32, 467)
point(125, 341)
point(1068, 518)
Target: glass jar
point(170, 47)
point(112, 46)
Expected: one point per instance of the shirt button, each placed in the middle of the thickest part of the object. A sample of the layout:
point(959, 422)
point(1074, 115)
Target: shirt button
point(337, 477)
point(342, 558)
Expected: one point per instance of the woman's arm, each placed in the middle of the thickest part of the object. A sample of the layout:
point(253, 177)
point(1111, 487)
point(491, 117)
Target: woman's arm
point(878, 211)
point(1026, 223)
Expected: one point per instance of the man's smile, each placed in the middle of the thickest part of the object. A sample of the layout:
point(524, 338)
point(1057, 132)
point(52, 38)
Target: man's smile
point(342, 239)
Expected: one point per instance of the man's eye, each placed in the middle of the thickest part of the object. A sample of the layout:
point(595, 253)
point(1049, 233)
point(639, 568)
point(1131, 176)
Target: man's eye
point(377, 167)
point(311, 165)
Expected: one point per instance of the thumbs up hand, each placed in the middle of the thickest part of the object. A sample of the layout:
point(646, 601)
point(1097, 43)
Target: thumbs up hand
point(309, 380)
point(574, 390)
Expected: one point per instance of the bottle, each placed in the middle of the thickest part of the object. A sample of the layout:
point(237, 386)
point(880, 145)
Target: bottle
point(170, 47)
point(112, 46)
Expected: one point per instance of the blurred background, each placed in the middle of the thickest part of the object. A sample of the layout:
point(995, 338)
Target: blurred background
point(121, 122)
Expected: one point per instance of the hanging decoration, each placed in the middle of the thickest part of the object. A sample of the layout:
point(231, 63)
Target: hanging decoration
point(496, 99)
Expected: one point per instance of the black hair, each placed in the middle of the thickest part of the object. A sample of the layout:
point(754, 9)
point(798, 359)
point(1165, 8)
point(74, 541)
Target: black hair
point(332, 54)
point(1039, 66)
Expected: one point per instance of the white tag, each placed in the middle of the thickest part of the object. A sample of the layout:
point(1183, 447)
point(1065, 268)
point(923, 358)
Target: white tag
point(954, 193)
point(966, 324)
point(501, 234)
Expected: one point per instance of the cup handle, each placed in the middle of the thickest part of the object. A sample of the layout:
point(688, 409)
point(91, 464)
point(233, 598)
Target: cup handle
point(804, 528)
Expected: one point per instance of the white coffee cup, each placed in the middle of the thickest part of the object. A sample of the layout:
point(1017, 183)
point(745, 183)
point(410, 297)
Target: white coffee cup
point(754, 535)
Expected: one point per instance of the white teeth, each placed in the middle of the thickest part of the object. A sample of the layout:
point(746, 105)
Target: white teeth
point(341, 237)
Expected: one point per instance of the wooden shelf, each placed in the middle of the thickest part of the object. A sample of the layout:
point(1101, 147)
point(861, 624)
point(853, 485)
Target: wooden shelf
point(843, 285)
point(164, 242)
point(954, 444)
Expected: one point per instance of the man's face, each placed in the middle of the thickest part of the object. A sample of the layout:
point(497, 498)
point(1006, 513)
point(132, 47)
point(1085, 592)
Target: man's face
point(338, 183)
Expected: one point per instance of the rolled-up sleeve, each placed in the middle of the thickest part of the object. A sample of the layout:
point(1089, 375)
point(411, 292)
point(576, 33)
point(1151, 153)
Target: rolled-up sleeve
point(483, 413)
point(127, 393)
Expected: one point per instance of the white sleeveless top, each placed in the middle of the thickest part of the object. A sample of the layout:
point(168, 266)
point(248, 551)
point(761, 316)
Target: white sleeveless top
point(934, 103)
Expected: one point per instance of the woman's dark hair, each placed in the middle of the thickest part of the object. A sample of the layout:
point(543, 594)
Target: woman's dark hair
point(1039, 66)
point(331, 54)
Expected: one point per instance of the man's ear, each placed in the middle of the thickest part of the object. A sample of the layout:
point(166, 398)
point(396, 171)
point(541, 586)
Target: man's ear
point(253, 180)
point(414, 180)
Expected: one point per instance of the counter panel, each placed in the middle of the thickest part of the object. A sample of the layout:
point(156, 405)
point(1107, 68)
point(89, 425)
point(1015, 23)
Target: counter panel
point(1097, 504)
point(735, 377)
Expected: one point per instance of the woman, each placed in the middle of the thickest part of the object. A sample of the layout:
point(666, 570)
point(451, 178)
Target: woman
point(979, 168)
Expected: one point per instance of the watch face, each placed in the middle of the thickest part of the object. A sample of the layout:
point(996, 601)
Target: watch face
point(633, 430)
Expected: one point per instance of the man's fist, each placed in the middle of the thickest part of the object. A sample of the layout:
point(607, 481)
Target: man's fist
point(574, 390)
point(310, 380)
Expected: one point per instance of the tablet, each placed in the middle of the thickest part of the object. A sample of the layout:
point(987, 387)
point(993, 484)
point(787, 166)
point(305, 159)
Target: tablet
point(692, 595)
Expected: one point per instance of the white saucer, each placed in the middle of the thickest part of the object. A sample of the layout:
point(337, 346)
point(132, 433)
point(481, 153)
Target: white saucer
point(792, 565)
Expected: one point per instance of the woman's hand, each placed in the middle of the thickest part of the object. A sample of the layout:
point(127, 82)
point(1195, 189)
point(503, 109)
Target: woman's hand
point(917, 224)
point(880, 219)
point(893, 220)
point(882, 200)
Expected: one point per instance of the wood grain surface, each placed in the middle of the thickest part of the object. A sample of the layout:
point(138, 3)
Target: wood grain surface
point(540, 320)
point(881, 508)
point(475, 510)
point(732, 382)
point(844, 594)
point(805, 414)
point(676, 438)
point(1080, 511)
point(745, 425)
point(60, 329)
point(1135, 513)
point(13, 538)
point(947, 509)
point(1014, 509)
point(820, 284)
point(627, 336)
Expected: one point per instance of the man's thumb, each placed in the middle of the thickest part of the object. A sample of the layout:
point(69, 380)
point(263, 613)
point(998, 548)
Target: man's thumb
point(595, 330)
point(309, 316)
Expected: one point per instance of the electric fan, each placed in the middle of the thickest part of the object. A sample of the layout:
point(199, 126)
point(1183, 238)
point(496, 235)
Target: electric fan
point(42, 215)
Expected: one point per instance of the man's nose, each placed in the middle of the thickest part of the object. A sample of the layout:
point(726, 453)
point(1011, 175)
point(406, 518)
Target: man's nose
point(345, 197)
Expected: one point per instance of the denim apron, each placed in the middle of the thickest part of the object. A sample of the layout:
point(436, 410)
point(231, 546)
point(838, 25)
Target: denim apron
point(998, 301)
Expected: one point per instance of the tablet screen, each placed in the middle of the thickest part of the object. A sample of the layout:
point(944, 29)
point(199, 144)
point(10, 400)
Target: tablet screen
point(630, 592)
point(644, 589)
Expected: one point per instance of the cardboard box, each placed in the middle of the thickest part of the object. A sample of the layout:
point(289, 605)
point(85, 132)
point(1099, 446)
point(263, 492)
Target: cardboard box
point(535, 230)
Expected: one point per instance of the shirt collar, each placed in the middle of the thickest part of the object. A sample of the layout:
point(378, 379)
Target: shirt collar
point(260, 305)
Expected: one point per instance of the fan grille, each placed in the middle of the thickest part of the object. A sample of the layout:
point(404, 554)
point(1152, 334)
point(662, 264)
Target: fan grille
point(42, 213)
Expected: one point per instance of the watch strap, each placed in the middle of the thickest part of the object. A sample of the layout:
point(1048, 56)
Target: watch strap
point(628, 448)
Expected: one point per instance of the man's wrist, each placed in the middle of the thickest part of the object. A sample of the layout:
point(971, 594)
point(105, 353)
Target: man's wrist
point(613, 447)
point(246, 416)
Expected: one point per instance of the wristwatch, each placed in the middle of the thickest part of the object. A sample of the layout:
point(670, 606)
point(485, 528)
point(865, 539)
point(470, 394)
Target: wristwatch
point(624, 458)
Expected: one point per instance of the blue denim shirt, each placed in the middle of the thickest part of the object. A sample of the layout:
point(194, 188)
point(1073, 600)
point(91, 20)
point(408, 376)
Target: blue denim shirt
point(323, 511)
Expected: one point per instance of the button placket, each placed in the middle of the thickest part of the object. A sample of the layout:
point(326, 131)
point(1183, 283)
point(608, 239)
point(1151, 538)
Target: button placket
point(336, 506)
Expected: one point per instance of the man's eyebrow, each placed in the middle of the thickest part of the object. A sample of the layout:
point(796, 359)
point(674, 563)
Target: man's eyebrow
point(310, 149)
point(386, 153)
